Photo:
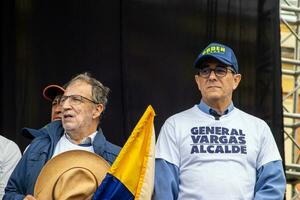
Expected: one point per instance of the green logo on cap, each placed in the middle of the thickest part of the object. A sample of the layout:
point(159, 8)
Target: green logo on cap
point(213, 49)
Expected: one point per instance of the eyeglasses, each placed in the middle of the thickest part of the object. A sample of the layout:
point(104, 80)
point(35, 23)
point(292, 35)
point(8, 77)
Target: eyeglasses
point(75, 99)
point(220, 71)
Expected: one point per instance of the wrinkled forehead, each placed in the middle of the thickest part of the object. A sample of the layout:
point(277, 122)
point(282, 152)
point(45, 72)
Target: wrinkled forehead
point(79, 88)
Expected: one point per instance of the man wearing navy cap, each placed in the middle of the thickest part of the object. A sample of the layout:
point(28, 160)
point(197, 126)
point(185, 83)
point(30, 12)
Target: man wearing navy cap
point(214, 150)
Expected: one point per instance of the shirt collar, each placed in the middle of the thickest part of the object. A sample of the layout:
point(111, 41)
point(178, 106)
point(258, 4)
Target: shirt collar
point(87, 141)
point(205, 108)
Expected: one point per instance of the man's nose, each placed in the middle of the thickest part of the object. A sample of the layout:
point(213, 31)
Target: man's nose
point(58, 110)
point(65, 106)
point(212, 74)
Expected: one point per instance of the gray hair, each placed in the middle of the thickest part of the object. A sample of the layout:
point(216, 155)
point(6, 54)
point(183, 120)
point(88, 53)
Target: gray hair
point(99, 91)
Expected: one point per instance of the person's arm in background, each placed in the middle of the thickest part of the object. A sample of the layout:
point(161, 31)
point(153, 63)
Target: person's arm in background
point(271, 183)
point(11, 155)
point(16, 188)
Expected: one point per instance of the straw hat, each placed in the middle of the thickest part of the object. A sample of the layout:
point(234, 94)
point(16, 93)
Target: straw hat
point(71, 175)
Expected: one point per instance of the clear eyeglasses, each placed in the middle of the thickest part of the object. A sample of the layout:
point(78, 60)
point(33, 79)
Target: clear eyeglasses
point(75, 99)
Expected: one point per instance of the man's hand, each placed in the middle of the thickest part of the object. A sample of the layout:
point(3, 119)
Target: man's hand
point(29, 197)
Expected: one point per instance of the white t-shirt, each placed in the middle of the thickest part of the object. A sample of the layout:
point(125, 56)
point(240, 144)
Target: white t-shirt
point(64, 144)
point(217, 159)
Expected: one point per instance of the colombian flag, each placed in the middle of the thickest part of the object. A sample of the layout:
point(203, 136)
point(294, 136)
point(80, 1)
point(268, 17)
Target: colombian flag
point(132, 174)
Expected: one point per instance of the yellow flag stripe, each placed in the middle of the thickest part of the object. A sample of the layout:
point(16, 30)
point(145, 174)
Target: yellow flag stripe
point(147, 184)
point(130, 163)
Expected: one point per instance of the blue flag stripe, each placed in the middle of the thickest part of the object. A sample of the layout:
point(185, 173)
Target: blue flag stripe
point(112, 189)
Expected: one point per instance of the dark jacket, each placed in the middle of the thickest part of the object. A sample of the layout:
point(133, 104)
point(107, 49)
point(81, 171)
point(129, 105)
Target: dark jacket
point(41, 149)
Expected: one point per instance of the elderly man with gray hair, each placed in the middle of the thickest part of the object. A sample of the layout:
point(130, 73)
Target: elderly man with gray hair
point(83, 103)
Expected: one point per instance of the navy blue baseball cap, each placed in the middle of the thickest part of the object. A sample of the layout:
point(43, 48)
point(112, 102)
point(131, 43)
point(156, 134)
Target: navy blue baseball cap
point(221, 52)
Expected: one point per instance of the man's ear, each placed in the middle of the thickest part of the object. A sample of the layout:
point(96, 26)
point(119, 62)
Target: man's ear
point(236, 80)
point(197, 81)
point(97, 111)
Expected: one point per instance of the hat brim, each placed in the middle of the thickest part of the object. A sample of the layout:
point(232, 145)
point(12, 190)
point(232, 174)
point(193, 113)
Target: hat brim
point(51, 91)
point(75, 160)
point(202, 59)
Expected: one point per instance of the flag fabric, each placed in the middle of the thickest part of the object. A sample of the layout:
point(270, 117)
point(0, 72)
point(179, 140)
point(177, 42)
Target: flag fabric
point(132, 174)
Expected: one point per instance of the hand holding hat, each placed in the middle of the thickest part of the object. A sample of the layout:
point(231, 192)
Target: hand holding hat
point(29, 197)
point(71, 175)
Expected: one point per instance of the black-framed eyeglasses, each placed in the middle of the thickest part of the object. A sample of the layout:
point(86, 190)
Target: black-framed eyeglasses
point(75, 99)
point(220, 71)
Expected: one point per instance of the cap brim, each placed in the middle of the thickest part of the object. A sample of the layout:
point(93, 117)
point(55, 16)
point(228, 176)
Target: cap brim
point(200, 60)
point(51, 91)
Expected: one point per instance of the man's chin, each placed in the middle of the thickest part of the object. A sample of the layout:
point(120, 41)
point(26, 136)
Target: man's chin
point(68, 127)
point(213, 97)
